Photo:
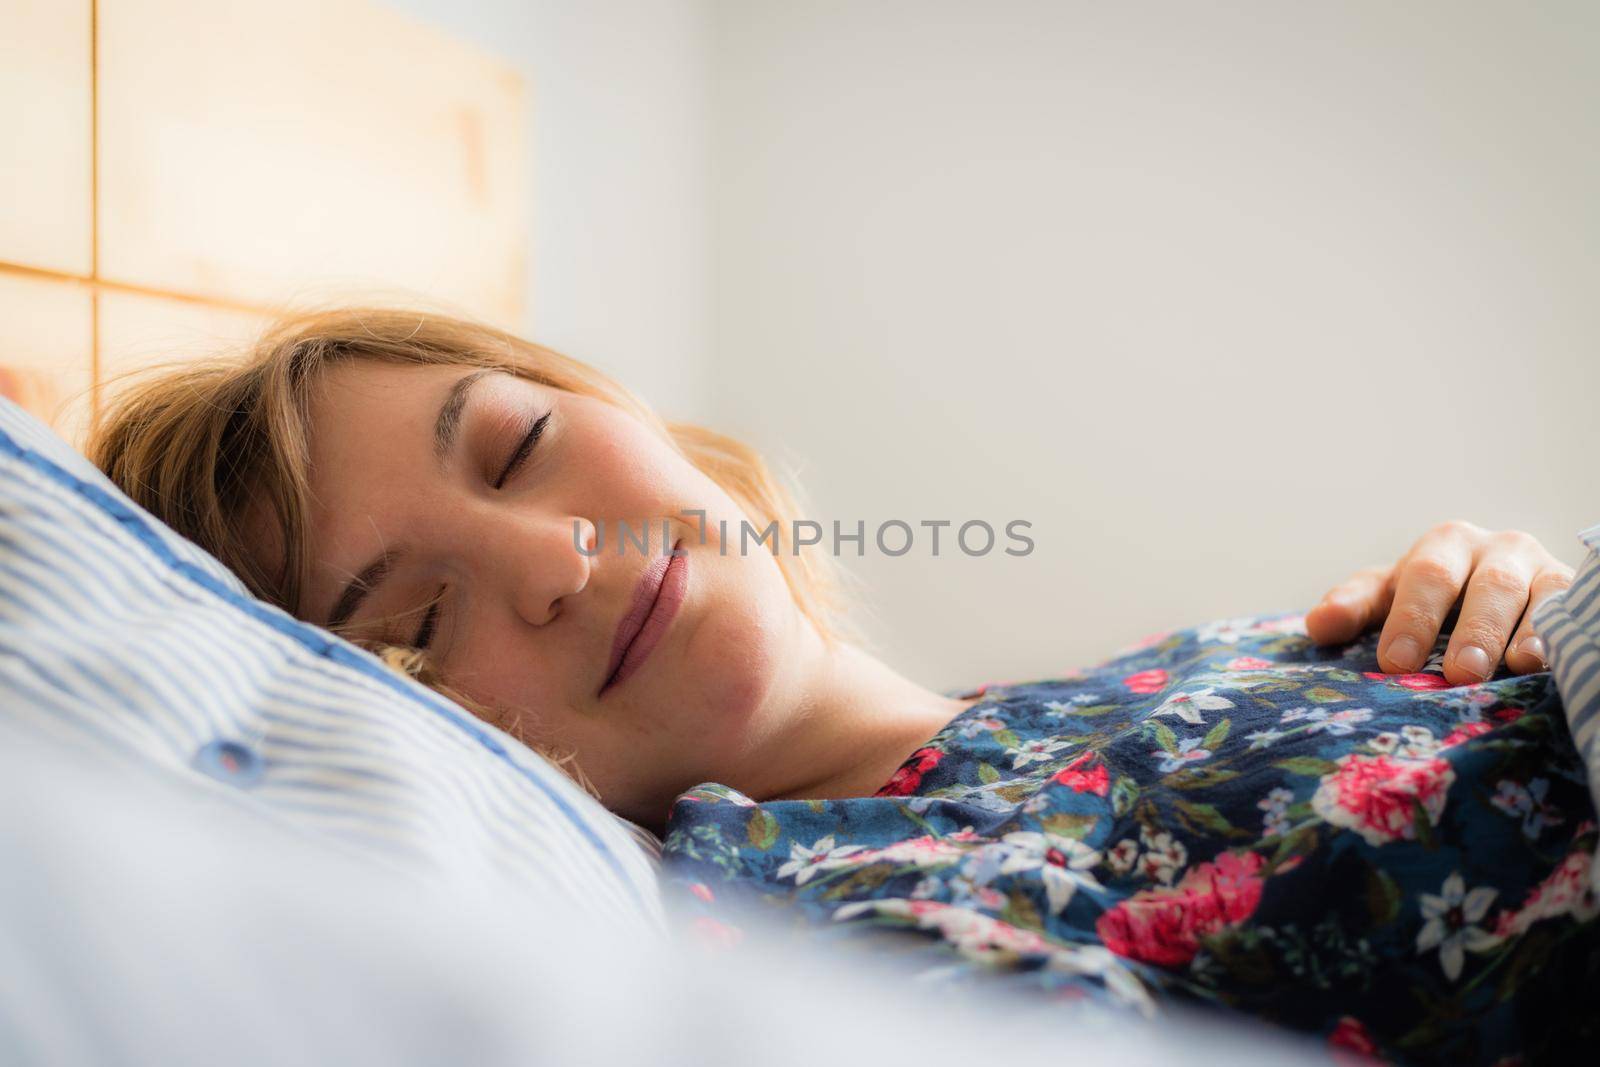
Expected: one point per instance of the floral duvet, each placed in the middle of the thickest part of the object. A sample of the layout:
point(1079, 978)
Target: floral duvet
point(1225, 816)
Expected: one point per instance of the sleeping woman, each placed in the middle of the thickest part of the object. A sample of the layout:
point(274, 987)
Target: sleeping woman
point(1363, 822)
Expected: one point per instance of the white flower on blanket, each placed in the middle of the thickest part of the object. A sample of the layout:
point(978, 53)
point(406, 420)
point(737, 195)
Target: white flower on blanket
point(821, 856)
point(973, 727)
point(1037, 750)
point(1062, 863)
point(981, 937)
point(1451, 923)
point(1276, 805)
point(1067, 707)
point(1527, 803)
point(1321, 720)
point(1163, 856)
point(974, 934)
point(924, 851)
point(1227, 631)
point(1189, 706)
point(1260, 739)
point(1189, 751)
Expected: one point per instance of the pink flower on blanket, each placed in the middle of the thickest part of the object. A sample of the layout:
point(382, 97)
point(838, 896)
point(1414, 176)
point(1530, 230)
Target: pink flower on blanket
point(1351, 1044)
point(1093, 780)
point(909, 776)
point(1164, 926)
point(1568, 891)
point(1151, 681)
point(1423, 681)
point(1378, 796)
point(1410, 681)
point(1465, 732)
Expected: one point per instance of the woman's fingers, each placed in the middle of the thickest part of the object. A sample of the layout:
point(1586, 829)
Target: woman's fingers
point(1496, 595)
point(1528, 652)
point(1498, 579)
point(1351, 606)
point(1427, 584)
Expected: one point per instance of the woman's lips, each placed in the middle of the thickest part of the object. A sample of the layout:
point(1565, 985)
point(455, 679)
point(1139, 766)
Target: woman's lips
point(656, 599)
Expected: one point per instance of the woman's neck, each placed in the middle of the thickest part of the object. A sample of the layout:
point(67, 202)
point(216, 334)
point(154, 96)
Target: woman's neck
point(856, 722)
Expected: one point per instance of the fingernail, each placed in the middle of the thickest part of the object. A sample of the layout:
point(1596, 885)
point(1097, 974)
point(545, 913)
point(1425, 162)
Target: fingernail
point(1475, 661)
point(1533, 645)
point(1404, 653)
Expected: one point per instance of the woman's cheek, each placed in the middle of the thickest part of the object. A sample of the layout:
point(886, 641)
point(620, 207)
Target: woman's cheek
point(737, 655)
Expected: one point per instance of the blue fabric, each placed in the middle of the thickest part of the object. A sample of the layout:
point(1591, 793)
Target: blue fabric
point(1570, 626)
point(113, 628)
point(1228, 816)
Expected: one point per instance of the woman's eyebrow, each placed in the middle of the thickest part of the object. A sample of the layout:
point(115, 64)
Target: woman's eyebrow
point(360, 586)
point(445, 429)
point(448, 423)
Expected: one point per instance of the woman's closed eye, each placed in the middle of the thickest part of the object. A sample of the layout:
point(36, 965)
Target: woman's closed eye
point(519, 454)
point(430, 623)
point(429, 627)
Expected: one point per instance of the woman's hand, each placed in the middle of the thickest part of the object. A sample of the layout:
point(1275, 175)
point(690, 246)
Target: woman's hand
point(1499, 577)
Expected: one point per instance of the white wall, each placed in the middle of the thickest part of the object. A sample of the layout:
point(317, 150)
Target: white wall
point(619, 134)
point(1227, 299)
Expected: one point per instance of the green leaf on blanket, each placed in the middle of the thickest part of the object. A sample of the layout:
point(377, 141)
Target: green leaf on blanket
point(1016, 792)
point(1165, 738)
point(1204, 817)
point(1006, 738)
point(1530, 953)
point(1242, 955)
point(1093, 709)
point(1216, 735)
point(1321, 694)
point(1273, 685)
point(864, 880)
point(1068, 824)
point(1199, 778)
point(1020, 911)
point(987, 774)
point(1301, 841)
point(1307, 765)
point(1284, 645)
point(1419, 818)
point(1123, 795)
point(1425, 1034)
point(1383, 897)
point(762, 829)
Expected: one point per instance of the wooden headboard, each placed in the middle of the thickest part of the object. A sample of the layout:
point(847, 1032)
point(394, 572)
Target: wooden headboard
point(177, 169)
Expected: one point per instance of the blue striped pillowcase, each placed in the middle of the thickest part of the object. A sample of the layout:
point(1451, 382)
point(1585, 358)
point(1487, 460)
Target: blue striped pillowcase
point(1570, 626)
point(116, 631)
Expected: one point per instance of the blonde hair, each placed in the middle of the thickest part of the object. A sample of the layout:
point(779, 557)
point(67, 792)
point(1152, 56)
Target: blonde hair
point(201, 445)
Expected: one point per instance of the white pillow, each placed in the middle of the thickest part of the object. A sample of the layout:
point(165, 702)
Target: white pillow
point(115, 630)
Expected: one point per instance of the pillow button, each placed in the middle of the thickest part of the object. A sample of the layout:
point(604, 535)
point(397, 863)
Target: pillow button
point(231, 762)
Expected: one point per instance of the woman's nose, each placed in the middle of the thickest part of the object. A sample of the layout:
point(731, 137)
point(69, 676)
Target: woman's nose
point(537, 561)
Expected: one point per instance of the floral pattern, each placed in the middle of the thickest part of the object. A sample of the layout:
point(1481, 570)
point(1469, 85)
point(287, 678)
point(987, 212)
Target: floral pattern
point(1228, 816)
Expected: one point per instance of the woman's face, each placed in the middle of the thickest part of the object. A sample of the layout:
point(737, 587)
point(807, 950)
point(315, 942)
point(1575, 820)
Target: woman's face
point(418, 494)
